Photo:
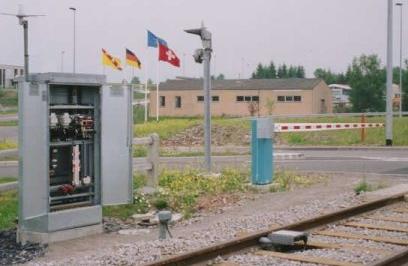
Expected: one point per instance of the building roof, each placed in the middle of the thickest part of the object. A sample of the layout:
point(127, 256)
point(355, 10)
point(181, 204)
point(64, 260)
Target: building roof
point(340, 86)
point(242, 84)
point(11, 66)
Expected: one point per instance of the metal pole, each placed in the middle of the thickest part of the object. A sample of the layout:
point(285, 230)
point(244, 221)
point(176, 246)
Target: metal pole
point(25, 26)
point(62, 61)
point(389, 116)
point(207, 108)
point(145, 96)
point(400, 77)
point(157, 91)
point(74, 55)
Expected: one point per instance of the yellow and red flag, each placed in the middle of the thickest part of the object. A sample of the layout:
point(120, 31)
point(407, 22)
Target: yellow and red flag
point(132, 60)
point(111, 61)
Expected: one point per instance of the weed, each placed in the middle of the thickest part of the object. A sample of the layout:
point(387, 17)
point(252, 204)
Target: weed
point(8, 209)
point(7, 179)
point(6, 144)
point(287, 181)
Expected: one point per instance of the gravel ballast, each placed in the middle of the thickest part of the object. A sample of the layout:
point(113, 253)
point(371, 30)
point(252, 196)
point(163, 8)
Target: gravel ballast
point(147, 251)
point(13, 253)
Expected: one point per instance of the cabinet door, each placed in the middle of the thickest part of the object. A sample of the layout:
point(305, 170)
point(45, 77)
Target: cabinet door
point(33, 152)
point(116, 145)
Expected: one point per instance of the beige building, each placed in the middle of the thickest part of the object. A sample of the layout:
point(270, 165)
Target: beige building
point(184, 97)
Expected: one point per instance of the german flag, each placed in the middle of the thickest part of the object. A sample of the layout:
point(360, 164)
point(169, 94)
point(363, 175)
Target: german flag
point(132, 60)
point(109, 60)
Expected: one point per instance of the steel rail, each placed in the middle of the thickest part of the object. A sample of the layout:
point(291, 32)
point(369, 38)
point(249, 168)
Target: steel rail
point(396, 259)
point(234, 245)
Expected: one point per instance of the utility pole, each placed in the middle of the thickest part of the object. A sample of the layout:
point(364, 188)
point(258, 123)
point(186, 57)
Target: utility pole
point(400, 76)
point(389, 115)
point(74, 55)
point(204, 56)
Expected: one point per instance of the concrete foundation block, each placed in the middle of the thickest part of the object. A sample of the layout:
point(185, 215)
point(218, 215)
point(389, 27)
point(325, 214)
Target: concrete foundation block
point(58, 236)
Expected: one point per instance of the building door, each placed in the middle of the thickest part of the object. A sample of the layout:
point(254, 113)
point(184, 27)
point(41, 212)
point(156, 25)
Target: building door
point(323, 107)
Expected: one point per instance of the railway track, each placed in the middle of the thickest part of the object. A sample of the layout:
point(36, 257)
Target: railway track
point(372, 233)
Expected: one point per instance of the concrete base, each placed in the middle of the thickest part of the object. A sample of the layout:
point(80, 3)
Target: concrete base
point(262, 188)
point(45, 238)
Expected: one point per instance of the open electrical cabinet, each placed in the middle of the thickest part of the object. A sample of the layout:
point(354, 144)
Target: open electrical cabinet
point(75, 136)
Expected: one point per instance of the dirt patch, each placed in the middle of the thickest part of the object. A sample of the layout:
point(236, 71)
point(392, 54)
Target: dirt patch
point(220, 136)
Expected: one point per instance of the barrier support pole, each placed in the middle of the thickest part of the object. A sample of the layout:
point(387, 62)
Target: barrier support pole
point(262, 151)
point(363, 130)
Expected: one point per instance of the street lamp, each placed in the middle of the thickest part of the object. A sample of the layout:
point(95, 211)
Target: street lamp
point(400, 76)
point(74, 12)
point(62, 61)
point(389, 115)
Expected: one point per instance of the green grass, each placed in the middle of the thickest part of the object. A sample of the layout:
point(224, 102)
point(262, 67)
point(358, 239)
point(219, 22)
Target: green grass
point(10, 123)
point(7, 179)
point(8, 209)
point(7, 144)
point(8, 97)
point(166, 127)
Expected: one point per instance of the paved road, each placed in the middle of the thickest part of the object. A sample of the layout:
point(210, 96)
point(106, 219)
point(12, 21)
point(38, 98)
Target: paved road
point(393, 162)
point(9, 133)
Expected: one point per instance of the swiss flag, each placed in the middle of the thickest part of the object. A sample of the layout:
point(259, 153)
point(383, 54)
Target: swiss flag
point(167, 55)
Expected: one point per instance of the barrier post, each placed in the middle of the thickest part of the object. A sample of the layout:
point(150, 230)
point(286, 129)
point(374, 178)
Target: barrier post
point(363, 130)
point(262, 151)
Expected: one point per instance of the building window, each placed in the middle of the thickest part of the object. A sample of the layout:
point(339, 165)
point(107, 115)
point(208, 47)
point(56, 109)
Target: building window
point(15, 72)
point(247, 98)
point(281, 98)
point(255, 98)
point(178, 101)
point(297, 98)
point(216, 98)
point(289, 98)
point(200, 98)
point(240, 98)
point(21, 72)
point(162, 101)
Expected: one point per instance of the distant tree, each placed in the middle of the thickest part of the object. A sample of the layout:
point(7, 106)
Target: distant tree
point(220, 77)
point(135, 80)
point(326, 75)
point(270, 104)
point(367, 80)
point(292, 72)
point(272, 70)
point(253, 108)
point(149, 82)
point(300, 72)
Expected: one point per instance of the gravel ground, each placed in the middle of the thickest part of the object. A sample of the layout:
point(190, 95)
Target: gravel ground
point(368, 232)
point(253, 260)
point(342, 255)
point(146, 251)
point(356, 242)
point(13, 253)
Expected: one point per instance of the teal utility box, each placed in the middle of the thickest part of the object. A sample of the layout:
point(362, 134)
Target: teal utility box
point(262, 151)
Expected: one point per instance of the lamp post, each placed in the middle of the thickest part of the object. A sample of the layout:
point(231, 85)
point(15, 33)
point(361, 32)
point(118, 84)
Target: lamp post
point(62, 61)
point(389, 115)
point(400, 76)
point(74, 55)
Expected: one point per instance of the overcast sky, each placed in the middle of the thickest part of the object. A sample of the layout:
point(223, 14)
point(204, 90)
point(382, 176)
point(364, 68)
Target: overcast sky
point(312, 33)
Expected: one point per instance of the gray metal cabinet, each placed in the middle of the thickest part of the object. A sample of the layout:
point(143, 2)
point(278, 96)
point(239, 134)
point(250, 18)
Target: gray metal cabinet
point(75, 152)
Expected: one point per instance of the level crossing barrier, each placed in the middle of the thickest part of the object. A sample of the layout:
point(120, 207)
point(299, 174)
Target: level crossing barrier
point(263, 129)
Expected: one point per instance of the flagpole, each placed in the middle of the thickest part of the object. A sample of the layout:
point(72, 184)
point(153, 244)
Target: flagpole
point(145, 96)
point(157, 91)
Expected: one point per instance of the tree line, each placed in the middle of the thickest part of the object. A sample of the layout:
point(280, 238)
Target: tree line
point(283, 71)
point(366, 76)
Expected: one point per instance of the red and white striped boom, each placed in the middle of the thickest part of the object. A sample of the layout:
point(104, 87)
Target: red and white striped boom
point(299, 127)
